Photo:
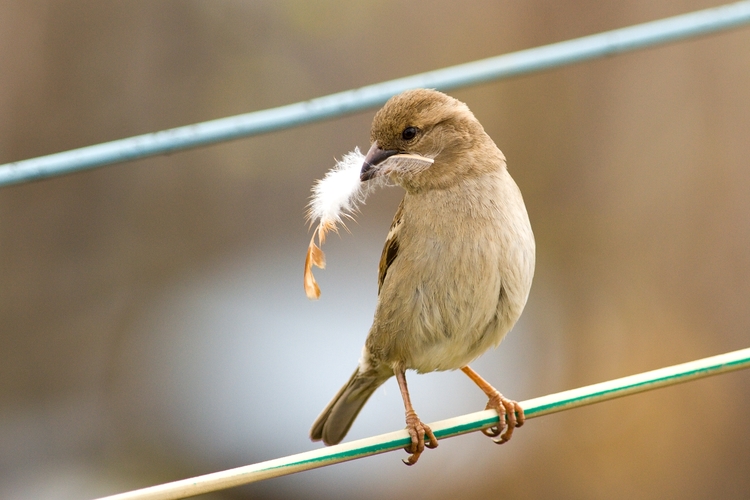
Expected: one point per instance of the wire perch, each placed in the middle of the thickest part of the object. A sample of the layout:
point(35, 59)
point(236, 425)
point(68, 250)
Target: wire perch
point(472, 422)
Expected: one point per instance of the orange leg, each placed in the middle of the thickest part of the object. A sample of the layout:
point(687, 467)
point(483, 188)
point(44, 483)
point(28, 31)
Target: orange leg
point(417, 429)
point(507, 409)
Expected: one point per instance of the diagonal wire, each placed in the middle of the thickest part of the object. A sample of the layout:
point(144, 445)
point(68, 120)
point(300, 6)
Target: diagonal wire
point(731, 361)
point(517, 63)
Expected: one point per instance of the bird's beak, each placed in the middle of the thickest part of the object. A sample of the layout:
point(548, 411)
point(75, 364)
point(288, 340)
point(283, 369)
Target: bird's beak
point(374, 157)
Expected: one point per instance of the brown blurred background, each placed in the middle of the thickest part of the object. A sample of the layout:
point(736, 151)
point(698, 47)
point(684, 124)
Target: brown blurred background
point(153, 324)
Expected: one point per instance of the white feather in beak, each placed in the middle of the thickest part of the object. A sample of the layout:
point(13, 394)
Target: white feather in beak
point(338, 195)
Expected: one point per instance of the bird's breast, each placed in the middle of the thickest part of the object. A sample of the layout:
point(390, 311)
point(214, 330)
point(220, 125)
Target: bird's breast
point(453, 290)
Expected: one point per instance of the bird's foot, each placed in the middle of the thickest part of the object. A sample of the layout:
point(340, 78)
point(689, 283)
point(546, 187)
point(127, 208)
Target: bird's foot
point(507, 409)
point(418, 431)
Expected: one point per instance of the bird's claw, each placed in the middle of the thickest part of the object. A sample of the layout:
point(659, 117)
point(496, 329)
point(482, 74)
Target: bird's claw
point(510, 414)
point(418, 431)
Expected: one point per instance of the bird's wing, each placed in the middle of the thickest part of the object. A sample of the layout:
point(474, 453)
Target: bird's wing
point(390, 249)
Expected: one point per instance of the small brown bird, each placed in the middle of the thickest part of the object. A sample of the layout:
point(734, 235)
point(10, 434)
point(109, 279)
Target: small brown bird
point(457, 264)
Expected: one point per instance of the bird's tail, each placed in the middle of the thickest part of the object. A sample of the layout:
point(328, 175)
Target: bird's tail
point(336, 419)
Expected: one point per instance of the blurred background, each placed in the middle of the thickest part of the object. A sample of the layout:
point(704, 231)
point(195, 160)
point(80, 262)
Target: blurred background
point(153, 324)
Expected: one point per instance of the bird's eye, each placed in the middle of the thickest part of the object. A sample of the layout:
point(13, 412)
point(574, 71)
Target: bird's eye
point(409, 133)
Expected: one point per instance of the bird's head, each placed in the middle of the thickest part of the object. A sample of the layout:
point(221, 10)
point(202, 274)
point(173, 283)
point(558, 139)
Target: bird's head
point(424, 139)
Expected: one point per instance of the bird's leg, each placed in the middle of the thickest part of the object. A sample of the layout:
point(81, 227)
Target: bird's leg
point(506, 408)
point(417, 429)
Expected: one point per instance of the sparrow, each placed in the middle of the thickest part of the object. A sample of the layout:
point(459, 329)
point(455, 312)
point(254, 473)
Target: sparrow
point(456, 267)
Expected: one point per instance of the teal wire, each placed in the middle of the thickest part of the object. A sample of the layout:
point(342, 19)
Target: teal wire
point(663, 377)
point(505, 66)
